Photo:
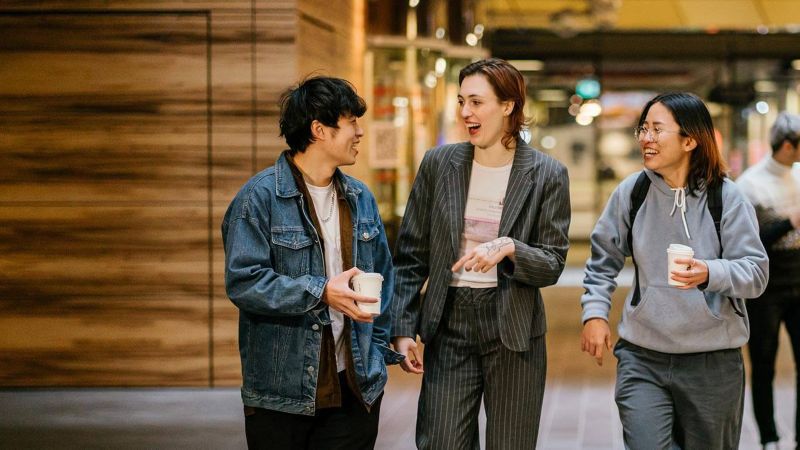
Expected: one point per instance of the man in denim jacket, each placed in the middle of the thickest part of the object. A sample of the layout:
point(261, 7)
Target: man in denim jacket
point(313, 364)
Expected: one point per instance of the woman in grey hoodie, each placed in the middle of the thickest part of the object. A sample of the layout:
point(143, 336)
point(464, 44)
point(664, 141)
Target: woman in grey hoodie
point(680, 377)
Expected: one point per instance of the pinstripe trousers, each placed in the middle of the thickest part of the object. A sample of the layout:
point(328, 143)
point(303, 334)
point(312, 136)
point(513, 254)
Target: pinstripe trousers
point(466, 361)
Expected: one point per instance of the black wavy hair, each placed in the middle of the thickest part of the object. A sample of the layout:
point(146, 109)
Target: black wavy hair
point(325, 99)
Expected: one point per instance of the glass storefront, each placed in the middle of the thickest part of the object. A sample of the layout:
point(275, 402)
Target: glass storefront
point(415, 50)
point(593, 135)
point(585, 95)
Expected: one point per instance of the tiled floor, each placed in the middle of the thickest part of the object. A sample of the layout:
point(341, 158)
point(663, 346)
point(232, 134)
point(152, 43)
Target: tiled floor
point(575, 416)
point(578, 414)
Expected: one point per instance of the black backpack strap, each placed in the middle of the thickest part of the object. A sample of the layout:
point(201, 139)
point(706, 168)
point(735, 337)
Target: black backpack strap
point(715, 208)
point(638, 195)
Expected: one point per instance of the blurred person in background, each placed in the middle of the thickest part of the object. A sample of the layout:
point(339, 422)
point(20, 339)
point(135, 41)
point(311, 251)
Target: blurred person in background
point(773, 187)
point(486, 226)
point(313, 363)
point(680, 375)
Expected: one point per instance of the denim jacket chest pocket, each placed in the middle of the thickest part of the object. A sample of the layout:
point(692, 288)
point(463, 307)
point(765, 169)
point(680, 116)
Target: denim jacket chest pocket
point(292, 247)
point(366, 240)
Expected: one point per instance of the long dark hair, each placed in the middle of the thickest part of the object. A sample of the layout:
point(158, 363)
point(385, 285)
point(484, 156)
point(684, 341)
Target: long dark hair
point(707, 168)
point(508, 85)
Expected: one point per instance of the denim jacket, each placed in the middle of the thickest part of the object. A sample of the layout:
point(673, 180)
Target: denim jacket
point(275, 275)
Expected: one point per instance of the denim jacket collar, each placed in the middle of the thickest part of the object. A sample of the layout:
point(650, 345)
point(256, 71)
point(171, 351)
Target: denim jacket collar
point(286, 187)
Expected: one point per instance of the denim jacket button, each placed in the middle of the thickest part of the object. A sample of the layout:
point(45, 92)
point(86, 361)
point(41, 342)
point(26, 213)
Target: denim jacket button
point(365, 235)
point(315, 327)
point(310, 369)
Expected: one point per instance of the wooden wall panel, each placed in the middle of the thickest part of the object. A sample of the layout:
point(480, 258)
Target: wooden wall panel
point(234, 89)
point(128, 126)
point(98, 110)
point(104, 199)
point(276, 69)
point(150, 5)
point(129, 341)
point(227, 366)
point(87, 291)
point(71, 252)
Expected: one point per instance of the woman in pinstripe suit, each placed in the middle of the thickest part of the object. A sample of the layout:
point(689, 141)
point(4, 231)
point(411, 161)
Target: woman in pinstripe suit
point(486, 226)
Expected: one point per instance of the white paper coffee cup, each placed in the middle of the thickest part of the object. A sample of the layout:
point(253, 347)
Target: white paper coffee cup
point(369, 284)
point(677, 251)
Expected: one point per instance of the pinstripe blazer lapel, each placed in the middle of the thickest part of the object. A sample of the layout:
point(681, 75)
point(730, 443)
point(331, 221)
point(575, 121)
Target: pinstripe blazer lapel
point(519, 186)
point(457, 184)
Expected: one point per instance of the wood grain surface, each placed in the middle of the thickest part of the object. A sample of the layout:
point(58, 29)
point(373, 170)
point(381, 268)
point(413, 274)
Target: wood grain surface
point(126, 127)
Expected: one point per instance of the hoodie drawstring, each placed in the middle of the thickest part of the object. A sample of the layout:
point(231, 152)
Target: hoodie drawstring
point(680, 202)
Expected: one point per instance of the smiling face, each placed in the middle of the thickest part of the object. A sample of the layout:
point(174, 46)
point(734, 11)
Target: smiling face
point(342, 147)
point(485, 116)
point(664, 149)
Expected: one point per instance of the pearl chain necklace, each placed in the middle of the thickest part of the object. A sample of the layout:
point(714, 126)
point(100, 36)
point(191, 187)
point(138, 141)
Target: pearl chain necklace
point(332, 205)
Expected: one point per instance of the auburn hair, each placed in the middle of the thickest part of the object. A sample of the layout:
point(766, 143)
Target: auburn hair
point(508, 85)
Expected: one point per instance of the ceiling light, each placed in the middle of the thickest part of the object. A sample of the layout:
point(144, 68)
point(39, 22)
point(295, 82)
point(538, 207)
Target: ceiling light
point(400, 102)
point(591, 109)
point(584, 119)
point(440, 66)
point(430, 80)
point(548, 142)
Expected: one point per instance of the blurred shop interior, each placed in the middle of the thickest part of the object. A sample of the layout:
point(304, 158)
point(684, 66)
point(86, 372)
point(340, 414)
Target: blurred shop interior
point(590, 66)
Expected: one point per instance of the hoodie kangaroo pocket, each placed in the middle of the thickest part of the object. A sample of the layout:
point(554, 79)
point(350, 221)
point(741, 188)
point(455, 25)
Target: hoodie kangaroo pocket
point(674, 314)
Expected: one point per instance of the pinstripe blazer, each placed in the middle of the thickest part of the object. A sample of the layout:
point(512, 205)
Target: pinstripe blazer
point(536, 214)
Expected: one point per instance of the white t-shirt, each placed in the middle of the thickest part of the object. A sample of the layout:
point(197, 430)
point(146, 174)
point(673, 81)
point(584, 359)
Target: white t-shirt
point(487, 191)
point(327, 207)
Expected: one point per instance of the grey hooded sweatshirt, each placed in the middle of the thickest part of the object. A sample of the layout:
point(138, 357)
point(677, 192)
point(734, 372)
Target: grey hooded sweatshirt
point(668, 319)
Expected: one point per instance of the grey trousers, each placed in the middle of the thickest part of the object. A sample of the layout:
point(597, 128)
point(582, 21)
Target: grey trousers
point(684, 401)
point(466, 362)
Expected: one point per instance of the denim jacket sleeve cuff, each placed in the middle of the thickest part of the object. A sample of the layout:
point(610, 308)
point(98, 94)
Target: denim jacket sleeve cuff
point(316, 286)
point(390, 356)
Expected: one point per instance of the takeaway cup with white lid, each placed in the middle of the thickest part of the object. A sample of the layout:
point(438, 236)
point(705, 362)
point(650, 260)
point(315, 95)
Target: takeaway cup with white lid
point(369, 284)
point(677, 251)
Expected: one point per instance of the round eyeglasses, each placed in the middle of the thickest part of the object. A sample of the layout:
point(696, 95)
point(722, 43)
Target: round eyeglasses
point(642, 133)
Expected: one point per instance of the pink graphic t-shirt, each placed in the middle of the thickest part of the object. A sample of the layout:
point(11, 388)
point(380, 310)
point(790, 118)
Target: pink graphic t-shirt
point(487, 191)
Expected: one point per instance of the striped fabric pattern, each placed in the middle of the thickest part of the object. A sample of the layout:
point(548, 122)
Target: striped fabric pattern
point(467, 362)
point(536, 214)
